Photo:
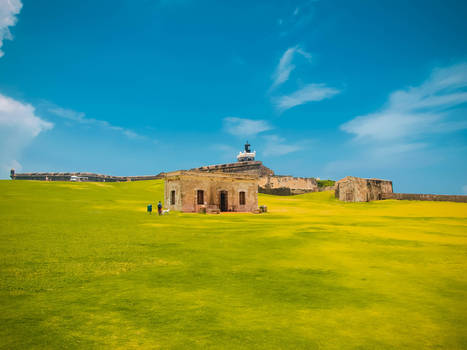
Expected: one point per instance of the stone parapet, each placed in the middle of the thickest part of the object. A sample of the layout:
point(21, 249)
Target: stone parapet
point(249, 167)
point(81, 177)
point(425, 197)
point(284, 185)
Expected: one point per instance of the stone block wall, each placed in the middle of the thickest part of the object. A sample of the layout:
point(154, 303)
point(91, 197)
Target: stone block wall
point(327, 188)
point(286, 185)
point(425, 197)
point(248, 167)
point(355, 189)
point(83, 177)
point(186, 185)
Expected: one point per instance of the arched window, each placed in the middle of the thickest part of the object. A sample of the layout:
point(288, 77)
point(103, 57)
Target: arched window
point(200, 196)
point(241, 198)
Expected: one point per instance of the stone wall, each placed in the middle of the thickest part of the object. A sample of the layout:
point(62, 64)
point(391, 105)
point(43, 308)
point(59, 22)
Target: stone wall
point(249, 167)
point(286, 185)
point(355, 189)
point(425, 197)
point(327, 188)
point(82, 177)
point(186, 185)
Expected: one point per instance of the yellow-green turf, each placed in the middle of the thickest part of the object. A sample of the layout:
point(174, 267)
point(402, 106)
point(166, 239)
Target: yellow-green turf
point(82, 265)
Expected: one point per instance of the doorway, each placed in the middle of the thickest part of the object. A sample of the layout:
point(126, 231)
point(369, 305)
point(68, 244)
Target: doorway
point(223, 202)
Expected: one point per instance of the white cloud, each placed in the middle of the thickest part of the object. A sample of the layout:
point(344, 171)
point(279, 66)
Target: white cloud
point(417, 110)
point(277, 146)
point(309, 93)
point(81, 118)
point(464, 189)
point(8, 11)
point(285, 66)
point(245, 127)
point(68, 114)
point(404, 134)
point(19, 125)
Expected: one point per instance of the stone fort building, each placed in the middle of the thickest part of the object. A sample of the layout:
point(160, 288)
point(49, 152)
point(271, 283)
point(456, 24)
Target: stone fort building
point(355, 189)
point(268, 182)
point(212, 192)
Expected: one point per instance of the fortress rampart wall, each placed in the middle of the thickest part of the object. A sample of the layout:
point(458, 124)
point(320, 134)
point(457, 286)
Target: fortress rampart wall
point(286, 185)
point(248, 167)
point(82, 177)
point(425, 197)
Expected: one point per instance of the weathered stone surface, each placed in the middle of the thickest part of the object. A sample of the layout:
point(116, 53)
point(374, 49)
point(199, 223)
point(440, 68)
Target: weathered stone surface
point(286, 185)
point(82, 177)
point(215, 186)
point(425, 197)
point(355, 189)
point(248, 167)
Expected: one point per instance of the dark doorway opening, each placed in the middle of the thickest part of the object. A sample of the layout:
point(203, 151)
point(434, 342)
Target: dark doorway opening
point(241, 198)
point(200, 197)
point(224, 205)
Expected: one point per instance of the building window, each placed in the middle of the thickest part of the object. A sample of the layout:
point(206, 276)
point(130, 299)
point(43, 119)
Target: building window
point(172, 198)
point(200, 196)
point(241, 198)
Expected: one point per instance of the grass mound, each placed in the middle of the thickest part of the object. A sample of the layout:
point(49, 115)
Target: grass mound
point(82, 265)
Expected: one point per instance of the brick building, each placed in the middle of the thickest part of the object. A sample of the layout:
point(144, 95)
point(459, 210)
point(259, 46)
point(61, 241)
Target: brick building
point(193, 191)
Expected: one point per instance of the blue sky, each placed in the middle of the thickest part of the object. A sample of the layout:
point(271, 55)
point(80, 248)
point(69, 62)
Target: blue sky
point(319, 88)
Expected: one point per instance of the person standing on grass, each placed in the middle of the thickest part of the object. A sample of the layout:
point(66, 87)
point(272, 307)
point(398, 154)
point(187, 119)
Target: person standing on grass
point(159, 208)
point(150, 208)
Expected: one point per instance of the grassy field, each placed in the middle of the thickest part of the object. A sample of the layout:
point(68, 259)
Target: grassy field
point(82, 265)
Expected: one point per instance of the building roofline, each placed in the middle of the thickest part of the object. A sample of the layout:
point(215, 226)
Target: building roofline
point(219, 174)
point(229, 165)
point(348, 178)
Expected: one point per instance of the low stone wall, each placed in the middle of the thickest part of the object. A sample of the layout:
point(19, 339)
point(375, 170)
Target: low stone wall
point(425, 197)
point(283, 185)
point(282, 191)
point(81, 177)
point(327, 188)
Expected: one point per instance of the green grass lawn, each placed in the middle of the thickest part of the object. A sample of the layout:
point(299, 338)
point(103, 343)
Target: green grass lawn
point(82, 265)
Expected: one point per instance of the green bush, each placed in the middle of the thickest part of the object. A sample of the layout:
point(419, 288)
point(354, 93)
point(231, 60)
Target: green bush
point(325, 183)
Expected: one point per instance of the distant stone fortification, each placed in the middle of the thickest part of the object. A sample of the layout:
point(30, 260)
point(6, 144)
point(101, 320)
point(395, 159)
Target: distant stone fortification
point(349, 189)
point(269, 183)
point(425, 197)
point(80, 177)
point(287, 185)
point(254, 167)
point(356, 189)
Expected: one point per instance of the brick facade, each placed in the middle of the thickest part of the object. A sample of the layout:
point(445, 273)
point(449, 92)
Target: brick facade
point(193, 191)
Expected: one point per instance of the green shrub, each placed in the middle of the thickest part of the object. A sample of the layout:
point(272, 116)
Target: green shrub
point(325, 183)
